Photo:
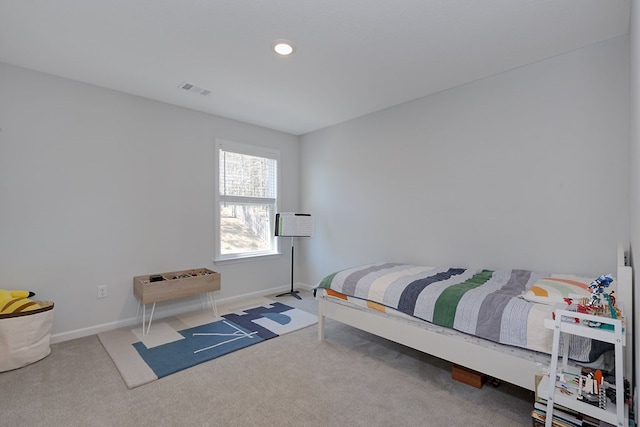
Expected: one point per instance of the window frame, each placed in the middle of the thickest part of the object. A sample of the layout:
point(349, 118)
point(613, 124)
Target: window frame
point(249, 150)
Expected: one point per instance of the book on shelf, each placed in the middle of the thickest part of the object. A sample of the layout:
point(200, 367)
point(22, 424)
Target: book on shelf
point(539, 417)
point(567, 415)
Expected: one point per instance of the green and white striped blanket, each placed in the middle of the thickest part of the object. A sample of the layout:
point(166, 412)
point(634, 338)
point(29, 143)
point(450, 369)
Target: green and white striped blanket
point(483, 303)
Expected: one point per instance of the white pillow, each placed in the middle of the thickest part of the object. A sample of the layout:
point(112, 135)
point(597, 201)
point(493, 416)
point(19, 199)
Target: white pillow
point(555, 288)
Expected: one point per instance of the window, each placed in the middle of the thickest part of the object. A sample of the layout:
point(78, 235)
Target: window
point(246, 200)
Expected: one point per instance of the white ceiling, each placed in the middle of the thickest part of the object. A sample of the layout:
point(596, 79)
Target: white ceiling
point(353, 56)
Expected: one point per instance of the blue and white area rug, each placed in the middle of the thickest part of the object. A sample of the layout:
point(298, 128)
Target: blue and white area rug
point(180, 342)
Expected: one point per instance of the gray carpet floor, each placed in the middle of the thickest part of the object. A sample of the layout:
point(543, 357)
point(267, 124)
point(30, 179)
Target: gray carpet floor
point(350, 379)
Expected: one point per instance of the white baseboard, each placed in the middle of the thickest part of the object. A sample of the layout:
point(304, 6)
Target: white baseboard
point(96, 329)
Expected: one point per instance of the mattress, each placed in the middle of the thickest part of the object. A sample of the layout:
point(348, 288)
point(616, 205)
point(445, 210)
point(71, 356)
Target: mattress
point(502, 307)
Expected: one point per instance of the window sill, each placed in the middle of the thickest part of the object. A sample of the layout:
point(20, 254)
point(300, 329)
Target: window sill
point(248, 258)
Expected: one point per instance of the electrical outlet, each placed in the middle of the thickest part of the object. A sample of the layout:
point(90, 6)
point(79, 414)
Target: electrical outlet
point(102, 291)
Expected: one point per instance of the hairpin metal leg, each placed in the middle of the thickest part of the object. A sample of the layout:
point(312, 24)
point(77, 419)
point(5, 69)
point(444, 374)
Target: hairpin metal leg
point(212, 300)
point(145, 330)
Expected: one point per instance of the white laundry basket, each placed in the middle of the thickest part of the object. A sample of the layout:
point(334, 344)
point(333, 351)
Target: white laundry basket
point(25, 337)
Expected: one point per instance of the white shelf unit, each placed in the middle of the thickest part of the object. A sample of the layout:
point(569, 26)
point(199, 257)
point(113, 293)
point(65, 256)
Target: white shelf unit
point(616, 414)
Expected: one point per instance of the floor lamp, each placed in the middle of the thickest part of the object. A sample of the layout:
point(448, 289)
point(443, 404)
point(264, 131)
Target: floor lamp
point(293, 225)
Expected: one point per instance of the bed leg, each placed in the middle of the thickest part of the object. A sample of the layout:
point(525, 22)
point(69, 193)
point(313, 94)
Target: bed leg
point(320, 319)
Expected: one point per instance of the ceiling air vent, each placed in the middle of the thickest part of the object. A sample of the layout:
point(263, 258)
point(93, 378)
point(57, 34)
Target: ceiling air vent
point(193, 88)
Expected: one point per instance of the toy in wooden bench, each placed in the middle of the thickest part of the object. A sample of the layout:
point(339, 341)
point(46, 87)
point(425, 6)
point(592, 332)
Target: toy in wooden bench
point(16, 301)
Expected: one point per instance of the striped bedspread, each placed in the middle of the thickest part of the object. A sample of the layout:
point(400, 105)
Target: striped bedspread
point(483, 303)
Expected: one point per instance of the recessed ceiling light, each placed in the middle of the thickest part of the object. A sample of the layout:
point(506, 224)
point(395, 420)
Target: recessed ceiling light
point(283, 47)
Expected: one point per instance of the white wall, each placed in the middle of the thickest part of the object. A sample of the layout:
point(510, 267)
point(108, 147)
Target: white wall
point(97, 186)
point(634, 159)
point(525, 169)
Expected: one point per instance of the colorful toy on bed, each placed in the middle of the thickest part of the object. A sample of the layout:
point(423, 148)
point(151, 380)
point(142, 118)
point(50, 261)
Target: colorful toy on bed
point(16, 301)
point(597, 290)
point(601, 303)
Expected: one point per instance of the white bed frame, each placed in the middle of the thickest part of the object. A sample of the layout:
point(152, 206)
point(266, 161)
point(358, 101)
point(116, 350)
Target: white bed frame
point(503, 366)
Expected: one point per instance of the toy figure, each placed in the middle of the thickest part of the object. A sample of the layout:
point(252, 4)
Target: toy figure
point(597, 288)
point(16, 301)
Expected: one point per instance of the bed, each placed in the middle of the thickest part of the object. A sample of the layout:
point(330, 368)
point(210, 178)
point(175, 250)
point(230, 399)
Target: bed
point(376, 298)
